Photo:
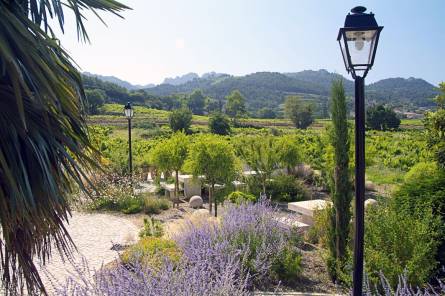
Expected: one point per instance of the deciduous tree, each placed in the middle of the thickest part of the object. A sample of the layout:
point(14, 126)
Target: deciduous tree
point(170, 155)
point(236, 105)
point(298, 111)
point(180, 120)
point(212, 157)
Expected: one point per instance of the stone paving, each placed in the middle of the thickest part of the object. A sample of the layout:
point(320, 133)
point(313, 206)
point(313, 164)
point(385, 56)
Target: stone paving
point(94, 235)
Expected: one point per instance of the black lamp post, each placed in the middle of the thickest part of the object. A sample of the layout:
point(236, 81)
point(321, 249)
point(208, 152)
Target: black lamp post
point(129, 112)
point(358, 41)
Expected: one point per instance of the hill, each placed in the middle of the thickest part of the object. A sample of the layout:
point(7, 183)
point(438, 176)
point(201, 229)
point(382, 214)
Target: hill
point(269, 89)
point(119, 82)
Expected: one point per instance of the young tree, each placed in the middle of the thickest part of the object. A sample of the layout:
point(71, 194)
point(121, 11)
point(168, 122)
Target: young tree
point(219, 124)
point(236, 105)
point(196, 102)
point(43, 135)
point(440, 98)
point(299, 112)
point(180, 120)
point(170, 155)
point(214, 158)
point(267, 113)
point(288, 153)
point(341, 185)
point(261, 154)
point(95, 99)
point(381, 118)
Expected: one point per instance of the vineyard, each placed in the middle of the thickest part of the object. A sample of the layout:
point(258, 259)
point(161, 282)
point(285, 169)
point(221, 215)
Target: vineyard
point(389, 154)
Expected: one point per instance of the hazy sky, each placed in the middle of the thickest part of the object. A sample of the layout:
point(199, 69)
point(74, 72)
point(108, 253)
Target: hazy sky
point(165, 38)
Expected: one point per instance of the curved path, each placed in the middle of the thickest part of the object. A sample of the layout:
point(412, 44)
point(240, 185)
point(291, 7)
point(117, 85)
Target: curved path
point(94, 235)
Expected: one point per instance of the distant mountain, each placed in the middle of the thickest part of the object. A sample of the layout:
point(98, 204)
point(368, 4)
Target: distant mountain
point(119, 82)
point(269, 89)
point(178, 80)
point(395, 91)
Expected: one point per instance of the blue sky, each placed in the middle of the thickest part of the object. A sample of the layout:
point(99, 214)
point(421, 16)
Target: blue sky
point(165, 38)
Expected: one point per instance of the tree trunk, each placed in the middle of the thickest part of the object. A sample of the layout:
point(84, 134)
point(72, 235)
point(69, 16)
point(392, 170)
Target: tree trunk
point(216, 202)
point(210, 199)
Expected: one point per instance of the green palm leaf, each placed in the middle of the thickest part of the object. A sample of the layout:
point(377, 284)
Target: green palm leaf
point(44, 145)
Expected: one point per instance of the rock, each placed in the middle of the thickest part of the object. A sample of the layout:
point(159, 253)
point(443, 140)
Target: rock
point(370, 202)
point(195, 202)
point(203, 212)
point(304, 171)
point(370, 186)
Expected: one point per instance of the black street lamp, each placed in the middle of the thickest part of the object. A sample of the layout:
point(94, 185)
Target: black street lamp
point(358, 41)
point(129, 112)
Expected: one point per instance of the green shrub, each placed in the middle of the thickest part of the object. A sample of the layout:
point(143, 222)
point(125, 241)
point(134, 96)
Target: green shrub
point(152, 227)
point(424, 186)
point(287, 266)
point(151, 251)
point(398, 242)
point(219, 124)
point(238, 197)
point(154, 205)
point(131, 204)
point(320, 232)
point(287, 188)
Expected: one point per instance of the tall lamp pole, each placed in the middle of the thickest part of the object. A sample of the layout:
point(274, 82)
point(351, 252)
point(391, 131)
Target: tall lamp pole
point(129, 112)
point(358, 41)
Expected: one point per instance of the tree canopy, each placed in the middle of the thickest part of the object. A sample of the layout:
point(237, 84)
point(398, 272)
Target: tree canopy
point(180, 120)
point(212, 157)
point(300, 112)
point(236, 105)
point(381, 118)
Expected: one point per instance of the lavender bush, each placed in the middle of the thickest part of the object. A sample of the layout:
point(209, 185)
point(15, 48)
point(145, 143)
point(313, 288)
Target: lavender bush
point(229, 258)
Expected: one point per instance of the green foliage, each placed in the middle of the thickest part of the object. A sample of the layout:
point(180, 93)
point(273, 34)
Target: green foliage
point(152, 227)
point(440, 98)
point(219, 124)
point(214, 158)
point(152, 251)
point(397, 241)
point(170, 155)
point(43, 134)
point(322, 231)
point(289, 152)
point(435, 133)
point(196, 102)
point(381, 118)
point(287, 188)
point(260, 154)
point(288, 266)
point(235, 106)
point(180, 120)
point(154, 205)
point(95, 98)
point(300, 112)
point(238, 197)
point(267, 113)
point(341, 184)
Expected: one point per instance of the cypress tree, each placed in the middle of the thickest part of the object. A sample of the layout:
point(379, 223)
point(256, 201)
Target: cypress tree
point(341, 185)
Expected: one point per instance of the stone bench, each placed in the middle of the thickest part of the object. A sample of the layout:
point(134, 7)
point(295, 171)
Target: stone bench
point(307, 208)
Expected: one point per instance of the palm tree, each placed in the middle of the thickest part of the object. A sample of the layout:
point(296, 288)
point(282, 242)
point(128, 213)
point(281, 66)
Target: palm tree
point(44, 145)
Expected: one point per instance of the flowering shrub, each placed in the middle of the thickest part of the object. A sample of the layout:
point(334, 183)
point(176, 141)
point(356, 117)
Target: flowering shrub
point(249, 248)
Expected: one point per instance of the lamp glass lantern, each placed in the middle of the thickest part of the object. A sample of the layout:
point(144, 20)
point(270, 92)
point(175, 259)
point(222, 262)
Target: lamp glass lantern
point(358, 41)
point(129, 111)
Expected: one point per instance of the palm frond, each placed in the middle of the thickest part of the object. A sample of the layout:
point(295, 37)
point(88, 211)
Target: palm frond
point(44, 145)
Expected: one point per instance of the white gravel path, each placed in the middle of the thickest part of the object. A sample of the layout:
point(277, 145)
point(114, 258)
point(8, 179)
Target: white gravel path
point(94, 235)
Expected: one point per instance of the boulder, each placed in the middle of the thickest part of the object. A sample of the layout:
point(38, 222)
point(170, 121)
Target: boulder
point(369, 186)
point(195, 202)
point(370, 202)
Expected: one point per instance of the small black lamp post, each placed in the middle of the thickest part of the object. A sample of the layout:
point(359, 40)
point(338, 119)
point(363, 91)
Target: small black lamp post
point(358, 41)
point(129, 112)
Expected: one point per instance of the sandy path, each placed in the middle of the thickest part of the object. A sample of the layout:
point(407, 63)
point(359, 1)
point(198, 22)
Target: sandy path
point(94, 235)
